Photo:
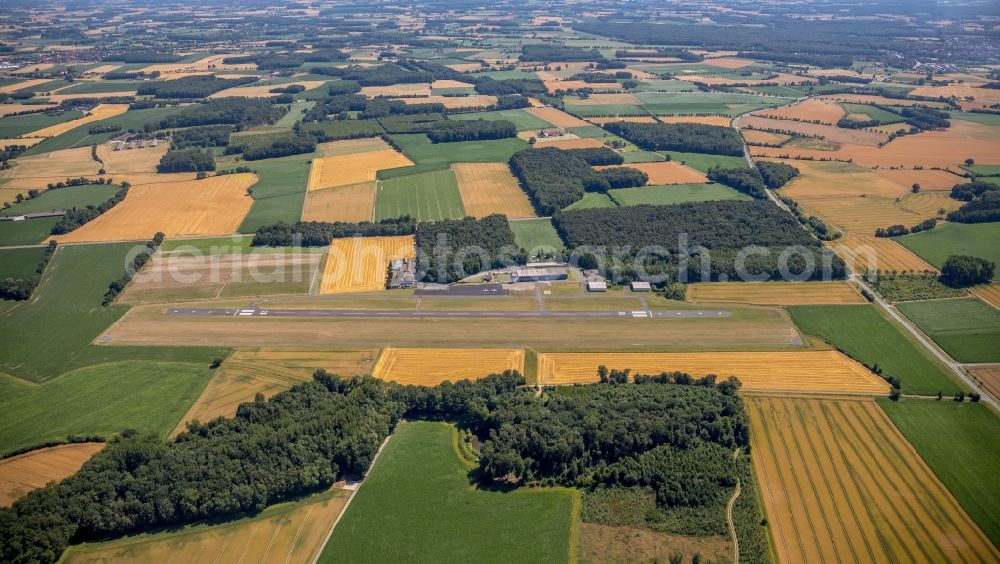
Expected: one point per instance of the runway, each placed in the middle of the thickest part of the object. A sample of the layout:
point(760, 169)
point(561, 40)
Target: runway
point(347, 313)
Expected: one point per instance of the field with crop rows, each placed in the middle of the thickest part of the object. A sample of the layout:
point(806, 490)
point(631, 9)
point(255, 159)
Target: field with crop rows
point(429, 367)
point(357, 264)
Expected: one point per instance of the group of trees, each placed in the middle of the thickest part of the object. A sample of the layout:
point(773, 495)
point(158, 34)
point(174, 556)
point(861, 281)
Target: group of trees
point(337, 130)
point(554, 178)
point(446, 131)
point(746, 180)
point(239, 112)
point(187, 160)
point(983, 202)
point(75, 217)
point(776, 175)
point(898, 230)
point(688, 137)
point(960, 271)
point(320, 233)
point(267, 146)
point(549, 53)
point(670, 434)
point(138, 261)
point(458, 248)
point(201, 136)
point(22, 288)
point(925, 118)
point(200, 86)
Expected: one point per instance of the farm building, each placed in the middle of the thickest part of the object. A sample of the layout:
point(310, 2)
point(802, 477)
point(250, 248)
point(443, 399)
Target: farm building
point(640, 286)
point(597, 286)
point(404, 274)
point(539, 274)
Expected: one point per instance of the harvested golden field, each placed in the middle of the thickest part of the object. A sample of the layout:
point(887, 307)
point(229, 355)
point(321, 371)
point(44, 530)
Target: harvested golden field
point(205, 65)
point(352, 203)
point(8, 109)
point(666, 172)
point(32, 470)
point(393, 90)
point(343, 170)
point(989, 293)
point(782, 78)
point(927, 179)
point(754, 137)
point(728, 63)
point(587, 143)
point(554, 86)
point(454, 102)
point(631, 119)
point(800, 371)
point(947, 148)
point(489, 188)
point(358, 264)
point(37, 171)
point(775, 293)
point(26, 141)
point(988, 376)
point(928, 203)
point(450, 84)
point(429, 367)
point(262, 91)
point(213, 206)
point(983, 97)
point(860, 214)
point(101, 69)
point(601, 99)
point(721, 121)
point(289, 532)
point(866, 252)
point(131, 160)
point(808, 110)
point(22, 85)
point(351, 146)
point(267, 371)
point(840, 483)
point(828, 132)
point(556, 117)
point(102, 111)
point(881, 100)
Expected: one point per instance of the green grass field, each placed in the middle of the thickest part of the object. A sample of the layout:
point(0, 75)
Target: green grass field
point(294, 114)
point(936, 245)
point(674, 194)
point(51, 334)
point(27, 232)
point(967, 329)
point(64, 199)
point(416, 505)
point(988, 170)
point(862, 332)
point(429, 155)
point(777, 90)
point(702, 162)
point(534, 233)
point(16, 126)
point(80, 136)
point(520, 118)
point(642, 157)
point(280, 193)
point(959, 442)
point(872, 112)
point(605, 110)
point(102, 86)
point(426, 196)
point(592, 200)
point(984, 119)
point(99, 400)
point(20, 263)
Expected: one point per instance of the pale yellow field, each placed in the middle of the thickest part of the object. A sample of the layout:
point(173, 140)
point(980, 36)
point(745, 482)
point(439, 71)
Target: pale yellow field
point(453, 102)
point(754, 137)
point(102, 111)
point(26, 141)
point(204, 65)
point(358, 264)
point(556, 117)
point(863, 252)
point(269, 370)
point(666, 172)
point(102, 69)
point(352, 203)
point(488, 188)
point(21, 85)
point(808, 110)
point(600, 99)
point(587, 143)
point(805, 371)
point(8, 109)
point(351, 146)
point(988, 376)
point(37, 171)
point(721, 121)
point(409, 89)
point(429, 367)
point(989, 293)
point(213, 206)
point(728, 63)
point(450, 84)
point(262, 91)
point(828, 132)
point(775, 293)
point(839, 483)
point(630, 119)
point(25, 472)
point(927, 179)
point(342, 170)
point(293, 532)
point(126, 161)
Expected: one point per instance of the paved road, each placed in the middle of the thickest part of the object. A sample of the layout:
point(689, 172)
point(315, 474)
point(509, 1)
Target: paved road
point(345, 313)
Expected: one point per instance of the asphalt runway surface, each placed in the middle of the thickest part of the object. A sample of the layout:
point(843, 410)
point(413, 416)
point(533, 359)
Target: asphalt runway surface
point(345, 313)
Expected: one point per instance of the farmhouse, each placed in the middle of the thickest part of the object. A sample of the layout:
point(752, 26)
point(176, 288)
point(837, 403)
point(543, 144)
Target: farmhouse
point(539, 274)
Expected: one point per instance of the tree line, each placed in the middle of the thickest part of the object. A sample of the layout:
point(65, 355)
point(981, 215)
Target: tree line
point(186, 160)
point(447, 131)
point(201, 86)
point(116, 287)
point(201, 136)
point(21, 288)
point(76, 217)
point(320, 233)
point(687, 137)
point(982, 202)
point(242, 113)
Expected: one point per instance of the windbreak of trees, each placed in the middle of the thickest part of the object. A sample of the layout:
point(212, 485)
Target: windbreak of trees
point(256, 147)
point(961, 271)
point(415, 123)
point(545, 53)
point(490, 87)
point(776, 175)
point(746, 180)
point(200, 86)
point(926, 118)
point(337, 130)
point(22, 288)
point(554, 178)
point(201, 136)
point(446, 131)
point(320, 233)
point(187, 160)
point(688, 137)
point(138, 261)
point(242, 113)
point(983, 203)
point(447, 245)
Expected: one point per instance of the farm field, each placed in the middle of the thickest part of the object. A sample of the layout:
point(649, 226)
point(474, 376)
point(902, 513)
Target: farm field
point(344, 170)
point(20, 263)
point(266, 370)
point(775, 293)
point(80, 136)
point(582, 143)
point(721, 121)
point(807, 110)
point(531, 234)
point(674, 194)
point(862, 332)
point(279, 193)
point(702, 162)
point(28, 232)
point(213, 206)
point(488, 188)
point(263, 91)
point(805, 371)
point(36, 171)
point(823, 468)
point(592, 200)
point(958, 442)
point(352, 203)
point(865, 252)
point(436, 156)
point(420, 480)
point(99, 400)
point(556, 117)
point(30, 471)
point(667, 172)
point(425, 196)
point(522, 119)
point(755, 137)
point(287, 532)
point(357, 264)
point(934, 246)
point(989, 293)
point(64, 198)
point(430, 367)
point(103, 111)
point(20, 126)
point(988, 376)
point(967, 329)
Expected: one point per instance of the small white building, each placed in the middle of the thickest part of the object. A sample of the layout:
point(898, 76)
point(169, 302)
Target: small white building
point(640, 286)
point(597, 286)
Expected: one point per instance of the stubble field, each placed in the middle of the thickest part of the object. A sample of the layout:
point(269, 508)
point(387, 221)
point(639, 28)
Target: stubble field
point(489, 188)
point(430, 367)
point(32, 470)
point(775, 293)
point(357, 264)
point(352, 203)
point(343, 170)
